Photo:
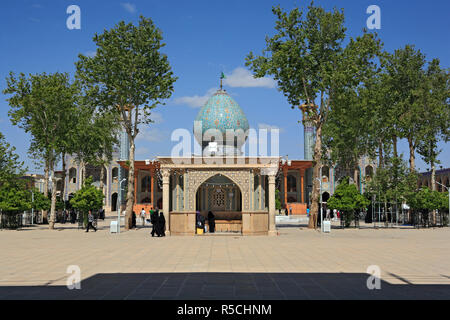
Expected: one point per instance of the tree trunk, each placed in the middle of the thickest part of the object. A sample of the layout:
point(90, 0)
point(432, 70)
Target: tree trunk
point(355, 177)
point(380, 154)
point(102, 185)
point(394, 144)
point(130, 191)
point(53, 205)
point(433, 188)
point(45, 212)
point(313, 213)
point(412, 155)
point(63, 191)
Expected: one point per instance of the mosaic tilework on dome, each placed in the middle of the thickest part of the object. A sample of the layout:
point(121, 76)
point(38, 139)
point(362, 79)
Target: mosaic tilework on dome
point(223, 113)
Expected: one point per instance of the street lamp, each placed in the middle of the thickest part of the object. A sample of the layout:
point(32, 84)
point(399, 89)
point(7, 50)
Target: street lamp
point(119, 204)
point(448, 188)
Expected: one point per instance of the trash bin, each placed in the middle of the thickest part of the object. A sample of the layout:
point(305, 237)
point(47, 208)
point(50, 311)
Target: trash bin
point(113, 227)
point(327, 226)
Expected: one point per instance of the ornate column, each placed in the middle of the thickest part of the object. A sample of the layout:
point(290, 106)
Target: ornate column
point(166, 183)
point(302, 183)
point(152, 188)
point(136, 174)
point(285, 174)
point(272, 227)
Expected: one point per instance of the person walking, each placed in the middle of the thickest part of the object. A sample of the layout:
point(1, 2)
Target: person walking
point(154, 217)
point(161, 230)
point(90, 221)
point(133, 220)
point(211, 222)
point(143, 216)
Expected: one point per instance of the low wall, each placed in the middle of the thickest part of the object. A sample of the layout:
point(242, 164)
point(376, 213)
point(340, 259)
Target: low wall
point(182, 223)
point(255, 223)
point(297, 208)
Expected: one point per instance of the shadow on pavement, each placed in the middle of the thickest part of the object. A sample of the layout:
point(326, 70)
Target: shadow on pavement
point(229, 286)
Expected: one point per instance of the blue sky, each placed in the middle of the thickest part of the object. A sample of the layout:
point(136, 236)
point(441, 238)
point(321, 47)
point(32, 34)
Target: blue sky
point(203, 39)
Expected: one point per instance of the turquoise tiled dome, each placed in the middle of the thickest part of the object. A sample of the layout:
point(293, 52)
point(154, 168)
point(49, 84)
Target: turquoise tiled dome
point(222, 112)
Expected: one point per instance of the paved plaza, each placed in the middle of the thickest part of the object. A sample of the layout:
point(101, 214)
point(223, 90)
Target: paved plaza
point(298, 264)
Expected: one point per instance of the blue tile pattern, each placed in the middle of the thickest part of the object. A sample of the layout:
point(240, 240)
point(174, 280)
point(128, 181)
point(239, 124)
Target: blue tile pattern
point(223, 113)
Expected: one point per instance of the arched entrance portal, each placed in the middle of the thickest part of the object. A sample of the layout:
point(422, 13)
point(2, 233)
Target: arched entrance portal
point(223, 197)
point(114, 202)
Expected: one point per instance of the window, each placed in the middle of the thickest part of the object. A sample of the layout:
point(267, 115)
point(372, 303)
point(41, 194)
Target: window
point(72, 175)
point(115, 174)
point(146, 184)
point(291, 184)
point(325, 174)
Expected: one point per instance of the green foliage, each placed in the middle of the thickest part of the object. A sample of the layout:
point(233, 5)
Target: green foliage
point(277, 200)
point(10, 166)
point(40, 201)
point(347, 200)
point(312, 62)
point(14, 197)
point(128, 71)
point(428, 200)
point(87, 198)
point(393, 182)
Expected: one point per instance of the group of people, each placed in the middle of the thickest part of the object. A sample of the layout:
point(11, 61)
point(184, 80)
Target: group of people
point(157, 220)
point(200, 222)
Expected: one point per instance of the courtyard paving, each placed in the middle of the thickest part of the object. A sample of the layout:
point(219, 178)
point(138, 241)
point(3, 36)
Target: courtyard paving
point(298, 264)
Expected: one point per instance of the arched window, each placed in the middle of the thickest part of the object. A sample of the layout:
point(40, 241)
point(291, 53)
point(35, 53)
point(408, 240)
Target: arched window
point(115, 174)
point(146, 184)
point(291, 183)
point(72, 175)
point(325, 174)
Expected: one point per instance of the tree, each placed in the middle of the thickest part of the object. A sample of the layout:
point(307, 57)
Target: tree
point(10, 166)
point(41, 105)
point(87, 198)
point(405, 74)
point(129, 76)
point(347, 200)
point(308, 59)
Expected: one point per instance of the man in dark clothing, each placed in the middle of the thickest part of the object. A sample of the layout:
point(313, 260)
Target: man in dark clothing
point(211, 222)
point(133, 220)
point(154, 217)
point(90, 221)
point(161, 230)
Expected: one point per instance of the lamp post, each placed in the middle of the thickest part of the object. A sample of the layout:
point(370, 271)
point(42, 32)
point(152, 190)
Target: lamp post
point(448, 188)
point(119, 204)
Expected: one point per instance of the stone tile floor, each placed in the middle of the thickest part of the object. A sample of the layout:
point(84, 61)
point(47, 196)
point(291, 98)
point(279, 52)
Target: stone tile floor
point(298, 264)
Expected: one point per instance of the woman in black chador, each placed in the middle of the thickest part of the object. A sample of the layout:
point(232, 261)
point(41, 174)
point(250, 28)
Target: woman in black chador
point(161, 225)
point(154, 219)
point(211, 222)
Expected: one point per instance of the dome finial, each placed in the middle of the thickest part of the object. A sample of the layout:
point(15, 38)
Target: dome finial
point(222, 76)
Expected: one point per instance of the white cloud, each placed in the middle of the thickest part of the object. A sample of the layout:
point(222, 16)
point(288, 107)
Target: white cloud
point(131, 8)
point(149, 134)
point(269, 127)
point(242, 78)
point(195, 101)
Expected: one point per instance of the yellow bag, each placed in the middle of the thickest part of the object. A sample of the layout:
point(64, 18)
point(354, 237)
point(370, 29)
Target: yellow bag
point(199, 231)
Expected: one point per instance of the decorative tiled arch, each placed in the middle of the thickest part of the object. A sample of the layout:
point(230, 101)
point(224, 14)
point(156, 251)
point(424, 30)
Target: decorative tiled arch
point(240, 177)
